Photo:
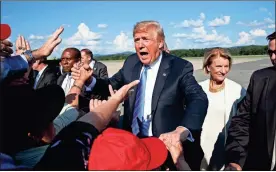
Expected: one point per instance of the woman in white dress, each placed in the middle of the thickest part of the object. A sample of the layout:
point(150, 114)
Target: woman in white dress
point(224, 96)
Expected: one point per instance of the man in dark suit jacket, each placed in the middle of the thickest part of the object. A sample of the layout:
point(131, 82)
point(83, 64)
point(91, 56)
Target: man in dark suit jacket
point(99, 69)
point(42, 74)
point(251, 137)
point(158, 108)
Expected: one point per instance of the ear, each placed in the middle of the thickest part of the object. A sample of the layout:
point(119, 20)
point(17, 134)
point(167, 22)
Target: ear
point(208, 68)
point(161, 44)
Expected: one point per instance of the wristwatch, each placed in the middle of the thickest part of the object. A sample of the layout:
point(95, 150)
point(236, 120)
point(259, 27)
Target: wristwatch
point(29, 55)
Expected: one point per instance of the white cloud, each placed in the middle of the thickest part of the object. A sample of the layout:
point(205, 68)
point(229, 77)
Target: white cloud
point(178, 44)
point(202, 16)
point(271, 26)
point(66, 25)
point(245, 39)
point(102, 25)
point(83, 37)
point(268, 20)
point(199, 35)
point(122, 42)
point(256, 23)
point(191, 22)
point(258, 32)
point(37, 37)
point(220, 21)
point(262, 9)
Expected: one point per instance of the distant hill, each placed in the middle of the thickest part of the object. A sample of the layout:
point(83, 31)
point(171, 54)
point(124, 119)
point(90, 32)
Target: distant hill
point(234, 51)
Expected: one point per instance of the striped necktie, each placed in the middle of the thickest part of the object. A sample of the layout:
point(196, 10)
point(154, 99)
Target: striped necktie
point(138, 112)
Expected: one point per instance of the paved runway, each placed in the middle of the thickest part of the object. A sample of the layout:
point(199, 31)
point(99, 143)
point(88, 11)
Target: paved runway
point(239, 73)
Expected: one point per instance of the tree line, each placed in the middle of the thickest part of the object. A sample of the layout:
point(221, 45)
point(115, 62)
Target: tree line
point(234, 51)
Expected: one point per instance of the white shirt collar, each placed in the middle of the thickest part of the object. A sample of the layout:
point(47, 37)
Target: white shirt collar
point(157, 62)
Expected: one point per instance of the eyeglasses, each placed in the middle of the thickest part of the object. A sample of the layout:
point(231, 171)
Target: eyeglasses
point(270, 52)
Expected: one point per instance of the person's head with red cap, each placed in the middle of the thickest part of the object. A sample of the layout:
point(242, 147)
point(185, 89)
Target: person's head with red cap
point(117, 149)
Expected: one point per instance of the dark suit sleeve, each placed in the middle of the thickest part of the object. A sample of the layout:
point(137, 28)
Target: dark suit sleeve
point(196, 100)
point(238, 132)
point(51, 79)
point(101, 87)
point(103, 72)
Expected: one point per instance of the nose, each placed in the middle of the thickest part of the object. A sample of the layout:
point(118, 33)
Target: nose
point(223, 70)
point(141, 44)
point(273, 56)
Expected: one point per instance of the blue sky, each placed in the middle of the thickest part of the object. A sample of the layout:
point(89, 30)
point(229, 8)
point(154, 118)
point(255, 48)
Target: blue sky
point(106, 27)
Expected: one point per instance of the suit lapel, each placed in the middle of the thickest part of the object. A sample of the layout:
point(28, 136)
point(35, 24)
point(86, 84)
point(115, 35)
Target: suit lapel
point(61, 78)
point(163, 72)
point(270, 114)
point(135, 76)
point(41, 77)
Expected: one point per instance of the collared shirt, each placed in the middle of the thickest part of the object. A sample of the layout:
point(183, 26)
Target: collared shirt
point(68, 82)
point(151, 78)
point(39, 75)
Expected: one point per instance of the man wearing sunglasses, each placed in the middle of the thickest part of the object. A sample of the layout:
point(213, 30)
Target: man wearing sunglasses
point(251, 136)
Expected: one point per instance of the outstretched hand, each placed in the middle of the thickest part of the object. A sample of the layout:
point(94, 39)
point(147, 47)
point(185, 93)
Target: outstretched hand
point(21, 45)
point(121, 94)
point(6, 48)
point(49, 46)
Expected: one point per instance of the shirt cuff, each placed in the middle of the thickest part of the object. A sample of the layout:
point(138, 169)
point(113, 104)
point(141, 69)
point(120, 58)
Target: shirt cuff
point(24, 58)
point(190, 136)
point(92, 84)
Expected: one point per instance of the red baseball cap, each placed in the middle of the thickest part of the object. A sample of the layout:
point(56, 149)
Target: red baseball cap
point(117, 149)
point(5, 31)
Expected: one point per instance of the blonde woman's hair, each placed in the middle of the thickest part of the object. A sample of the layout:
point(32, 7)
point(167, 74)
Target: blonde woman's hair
point(147, 25)
point(215, 53)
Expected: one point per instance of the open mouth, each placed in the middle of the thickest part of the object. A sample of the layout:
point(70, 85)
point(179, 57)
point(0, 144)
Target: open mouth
point(143, 53)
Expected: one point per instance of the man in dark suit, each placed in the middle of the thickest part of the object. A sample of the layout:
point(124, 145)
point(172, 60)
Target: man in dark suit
point(99, 72)
point(99, 69)
point(155, 106)
point(251, 137)
point(43, 74)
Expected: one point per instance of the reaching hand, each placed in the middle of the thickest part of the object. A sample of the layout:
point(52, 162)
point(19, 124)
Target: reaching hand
point(6, 48)
point(21, 45)
point(122, 92)
point(48, 47)
point(176, 150)
point(178, 135)
point(85, 73)
point(94, 103)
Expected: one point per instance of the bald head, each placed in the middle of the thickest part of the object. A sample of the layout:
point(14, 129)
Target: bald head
point(69, 57)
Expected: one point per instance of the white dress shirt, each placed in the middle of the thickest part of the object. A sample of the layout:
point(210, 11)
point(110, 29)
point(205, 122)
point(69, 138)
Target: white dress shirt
point(68, 82)
point(151, 78)
point(38, 76)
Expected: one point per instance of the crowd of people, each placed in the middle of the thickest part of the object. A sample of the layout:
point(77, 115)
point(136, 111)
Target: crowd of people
point(67, 118)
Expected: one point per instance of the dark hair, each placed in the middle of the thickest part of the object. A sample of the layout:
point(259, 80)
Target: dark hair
point(271, 36)
point(88, 52)
point(76, 52)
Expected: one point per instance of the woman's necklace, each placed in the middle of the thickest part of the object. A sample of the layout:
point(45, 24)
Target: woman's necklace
point(215, 90)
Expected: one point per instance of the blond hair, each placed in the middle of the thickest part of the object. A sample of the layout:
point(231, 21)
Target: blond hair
point(215, 53)
point(144, 26)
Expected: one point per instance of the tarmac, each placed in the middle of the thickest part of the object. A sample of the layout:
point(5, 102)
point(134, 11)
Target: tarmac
point(240, 72)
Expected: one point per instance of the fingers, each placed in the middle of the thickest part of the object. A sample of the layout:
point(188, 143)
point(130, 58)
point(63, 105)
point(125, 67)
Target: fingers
point(54, 38)
point(132, 84)
point(111, 90)
point(24, 45)
point(91, 105)
point(7, 43)
point(28, 47)
point(17, 43)
point(20, 42)
point(5, 48)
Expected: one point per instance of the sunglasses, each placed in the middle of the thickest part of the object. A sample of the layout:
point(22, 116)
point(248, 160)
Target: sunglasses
point(270, 52)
